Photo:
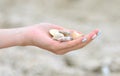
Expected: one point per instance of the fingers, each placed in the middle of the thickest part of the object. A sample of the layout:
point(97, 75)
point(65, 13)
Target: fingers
point(80, 41)
point(91, 36)
point(70, 44)
point(57, 47)
point(77, 44)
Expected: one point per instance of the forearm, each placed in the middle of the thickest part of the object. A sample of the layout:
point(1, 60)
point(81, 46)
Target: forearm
point(12, 37)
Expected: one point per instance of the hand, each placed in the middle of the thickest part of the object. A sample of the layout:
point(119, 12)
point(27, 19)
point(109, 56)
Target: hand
point(38, 35)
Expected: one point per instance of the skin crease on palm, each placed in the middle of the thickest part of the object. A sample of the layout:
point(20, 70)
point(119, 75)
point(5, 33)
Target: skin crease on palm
point(38, 36)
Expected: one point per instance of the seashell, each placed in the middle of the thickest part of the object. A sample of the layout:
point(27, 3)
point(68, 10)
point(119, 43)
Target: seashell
point(76, 35)
point(63, 35)
point(66, 33)
point(65, 38)
point(57, 36)
point(53, 32)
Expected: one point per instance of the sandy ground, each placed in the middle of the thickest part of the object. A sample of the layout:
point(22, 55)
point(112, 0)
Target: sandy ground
point(99, 58)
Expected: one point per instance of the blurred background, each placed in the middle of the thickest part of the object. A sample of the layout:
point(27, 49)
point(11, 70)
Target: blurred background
point(99, 58)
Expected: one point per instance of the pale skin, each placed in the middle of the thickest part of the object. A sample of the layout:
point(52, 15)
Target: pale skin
point(38, 35)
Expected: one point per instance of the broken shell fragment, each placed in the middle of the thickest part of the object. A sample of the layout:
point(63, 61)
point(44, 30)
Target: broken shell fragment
point(76, 35)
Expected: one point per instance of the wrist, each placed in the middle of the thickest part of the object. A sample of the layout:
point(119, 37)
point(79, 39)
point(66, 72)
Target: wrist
point(27, 34)
point(12, 37)
point(24, 37)
point(21, 36)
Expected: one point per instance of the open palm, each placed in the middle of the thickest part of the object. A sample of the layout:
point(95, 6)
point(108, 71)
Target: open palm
point(39, 36)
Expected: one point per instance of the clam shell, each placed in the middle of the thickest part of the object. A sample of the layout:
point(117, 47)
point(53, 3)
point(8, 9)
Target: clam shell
point(54, 32)
point(57, 36)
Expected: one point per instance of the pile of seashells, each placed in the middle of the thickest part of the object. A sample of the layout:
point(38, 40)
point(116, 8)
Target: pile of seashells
point(63, 35)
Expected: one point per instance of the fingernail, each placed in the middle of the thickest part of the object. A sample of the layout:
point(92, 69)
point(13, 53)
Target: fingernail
point(94, 36)
point(99, 33)
point(84, 39)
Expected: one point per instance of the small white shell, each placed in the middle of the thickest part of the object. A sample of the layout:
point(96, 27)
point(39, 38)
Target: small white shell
point(53, 32)
point(57, 36)
point(65, 38)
